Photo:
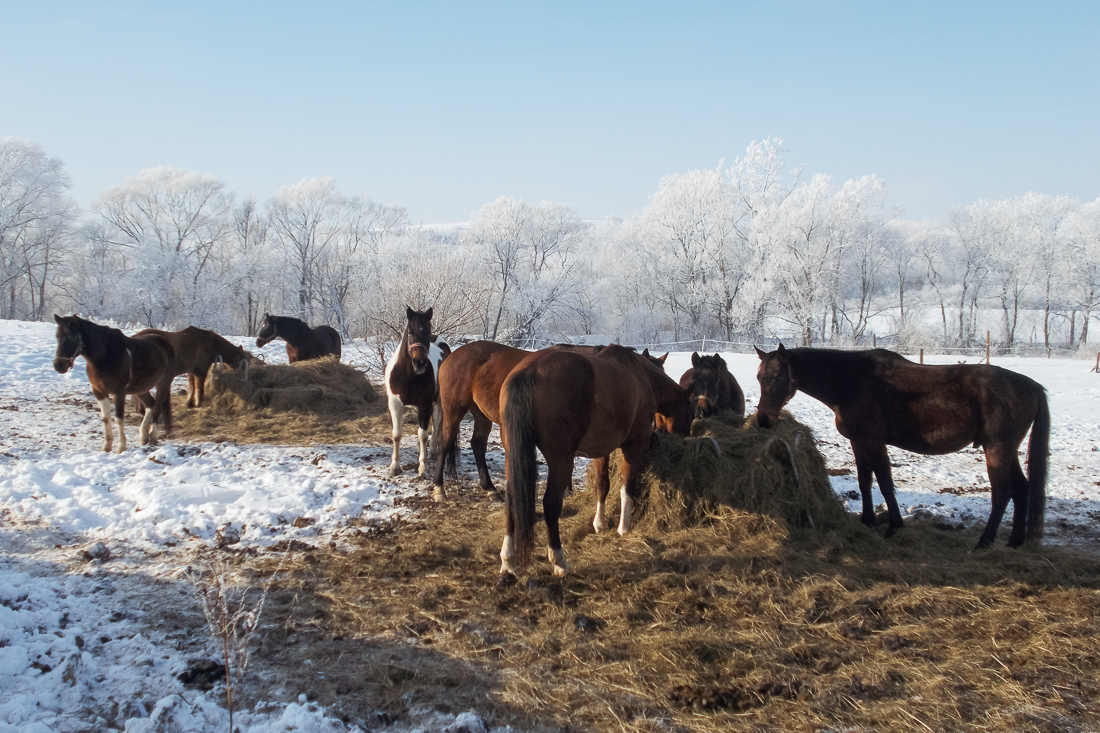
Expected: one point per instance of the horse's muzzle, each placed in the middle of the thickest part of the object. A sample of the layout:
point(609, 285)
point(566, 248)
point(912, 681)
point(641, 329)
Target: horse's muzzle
point(62, 365)
point(260, 343)
point(762, 419)
point(702, 408)
point(420, 365)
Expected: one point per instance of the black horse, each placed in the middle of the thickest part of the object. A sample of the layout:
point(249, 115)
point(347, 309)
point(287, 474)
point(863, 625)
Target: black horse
point(302, 342)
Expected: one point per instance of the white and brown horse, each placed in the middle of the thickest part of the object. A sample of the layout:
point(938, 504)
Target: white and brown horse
point(119, 365)
point(412, 379)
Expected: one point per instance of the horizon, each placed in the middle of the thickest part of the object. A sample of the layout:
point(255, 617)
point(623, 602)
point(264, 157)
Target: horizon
point(442, 108)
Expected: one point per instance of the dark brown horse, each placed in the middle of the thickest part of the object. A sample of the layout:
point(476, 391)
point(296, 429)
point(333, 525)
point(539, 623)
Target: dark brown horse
point(470, 381)
point(713, 389)
point(881, 398)
point(119, 365)
point(411, 380)
point(197, 349)
point(566, 403)
point(302, 342)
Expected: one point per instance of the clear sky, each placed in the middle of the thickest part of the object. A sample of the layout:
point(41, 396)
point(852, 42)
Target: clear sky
point(444, 106)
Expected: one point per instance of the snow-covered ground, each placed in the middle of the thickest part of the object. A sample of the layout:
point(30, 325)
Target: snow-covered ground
point(76, 652)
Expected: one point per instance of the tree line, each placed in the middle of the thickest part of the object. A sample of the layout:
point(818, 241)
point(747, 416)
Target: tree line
point(742, 252)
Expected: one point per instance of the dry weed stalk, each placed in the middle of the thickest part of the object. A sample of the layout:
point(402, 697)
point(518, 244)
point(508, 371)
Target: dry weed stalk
point(233, 614)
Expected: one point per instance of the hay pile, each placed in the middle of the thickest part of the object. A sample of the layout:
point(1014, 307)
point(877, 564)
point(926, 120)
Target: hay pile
point(308, 402)
point(729, 466)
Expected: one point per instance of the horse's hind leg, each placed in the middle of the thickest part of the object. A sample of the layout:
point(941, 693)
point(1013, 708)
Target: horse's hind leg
point(479, 443)
point(1006, 481)
point(397, 414)
point(559, 477)
point(603, 486)
point(633, 458)
point(147, 430)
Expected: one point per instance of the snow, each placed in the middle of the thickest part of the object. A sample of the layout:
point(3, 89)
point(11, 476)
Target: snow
point(75, 653)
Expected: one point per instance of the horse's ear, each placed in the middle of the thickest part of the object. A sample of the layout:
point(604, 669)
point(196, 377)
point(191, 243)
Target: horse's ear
point(695, 359)
point(57, 319)
point(408, 313)
point(428, 314)
point(662, 358)
point(645, 351)
point(759, 353)
point(718, 357)
point(780, 350)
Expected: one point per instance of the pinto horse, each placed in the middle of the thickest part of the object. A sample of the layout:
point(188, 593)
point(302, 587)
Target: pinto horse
point(881, 398)
point(302, 342)
point(119, 365)
point(411, 380)
point(566, 403)
point(470, 381)
point(713, 389)
point(197, 349)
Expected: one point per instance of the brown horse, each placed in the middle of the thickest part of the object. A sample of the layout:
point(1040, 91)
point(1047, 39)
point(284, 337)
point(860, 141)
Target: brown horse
point(566, 403)
point(881, 398)
point(713, 389)
point(197, 349)
point(302, 342)
point(411, 380)
point(470, 381)
point(119, 365)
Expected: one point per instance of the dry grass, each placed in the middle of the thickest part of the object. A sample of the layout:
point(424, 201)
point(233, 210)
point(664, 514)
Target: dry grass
point(305, 403)
point(741, 622)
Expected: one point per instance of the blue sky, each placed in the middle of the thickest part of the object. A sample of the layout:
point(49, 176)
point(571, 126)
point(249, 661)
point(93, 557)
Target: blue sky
point(443, 106)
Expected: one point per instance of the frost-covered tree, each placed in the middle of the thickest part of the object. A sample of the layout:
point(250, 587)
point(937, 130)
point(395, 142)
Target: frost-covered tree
point(1081, 266)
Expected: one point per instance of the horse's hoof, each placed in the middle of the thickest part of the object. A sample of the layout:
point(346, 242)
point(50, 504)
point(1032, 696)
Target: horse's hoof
point(439, 494)
point(506, 580)
point(561, 571)
point(494, 495)
point(395, 470)
point(891, 531)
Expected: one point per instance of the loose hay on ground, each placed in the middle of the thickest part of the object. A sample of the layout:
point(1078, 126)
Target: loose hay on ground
point(728, 467)
point(308, 402)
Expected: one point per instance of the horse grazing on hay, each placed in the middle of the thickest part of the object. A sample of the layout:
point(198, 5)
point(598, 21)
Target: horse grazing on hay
point(713, 389)
point(302, 342)
point(470, 381)
point(198, 349)
point(411, 380)
point(881, 398)
point(119, 365)
point(566, 403)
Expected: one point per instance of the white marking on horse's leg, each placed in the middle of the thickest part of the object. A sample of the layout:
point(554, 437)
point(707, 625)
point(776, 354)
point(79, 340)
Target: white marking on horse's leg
point(557, 559)
point(148, 428)
point(121, 421)
point(108, 432)
point(599, 522)
point(507, 556)
point(422, 437)
point(397, 414)
point(627, 505)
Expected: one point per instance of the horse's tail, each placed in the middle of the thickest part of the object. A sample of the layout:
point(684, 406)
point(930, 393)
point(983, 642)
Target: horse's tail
point(1038, 451)
point(520, 467)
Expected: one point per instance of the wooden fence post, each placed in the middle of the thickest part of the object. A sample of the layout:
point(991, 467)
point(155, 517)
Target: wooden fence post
point(987, 347)
point(1097, 367)
point(922, 356)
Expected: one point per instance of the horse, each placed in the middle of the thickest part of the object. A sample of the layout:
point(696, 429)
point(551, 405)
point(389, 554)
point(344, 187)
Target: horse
point(713, 389)
point(411, 380)
point(470, 381)
point(568, 403)
point(119, 365)
point(881, 398)
point(197, 349)
point(302, 342)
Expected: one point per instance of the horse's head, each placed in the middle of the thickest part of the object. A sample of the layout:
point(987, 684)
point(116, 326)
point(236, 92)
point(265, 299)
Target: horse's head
point(777, 385)
point(267, 332)
point(418, 339)
point(706, 382)
point(657, 361)
point(70, 343)
point(674, 410)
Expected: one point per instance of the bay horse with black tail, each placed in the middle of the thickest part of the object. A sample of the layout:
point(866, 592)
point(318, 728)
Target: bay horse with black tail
point(470, 380)
point(119, 365)
point(567, 403)
point(713, 389)
point(197, 349)
point(881, 398)
point(302, 342)
point(411, 380)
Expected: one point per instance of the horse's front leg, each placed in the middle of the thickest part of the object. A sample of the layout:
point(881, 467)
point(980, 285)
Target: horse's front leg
point(397, 414)
point(864, 476)
point(108, 431)
point(147, 431)
point(120, 412)
point(559, 476)
point(633, 461)
point(880, 464)
point(603, 485)
point(424, 421)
